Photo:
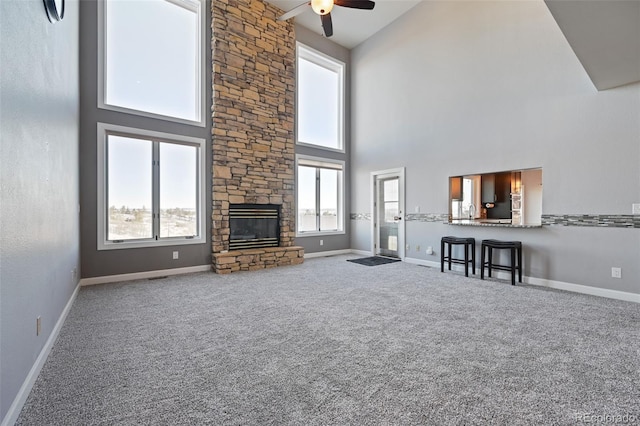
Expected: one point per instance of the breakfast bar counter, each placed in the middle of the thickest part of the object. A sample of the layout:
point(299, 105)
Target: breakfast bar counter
point(503, 223)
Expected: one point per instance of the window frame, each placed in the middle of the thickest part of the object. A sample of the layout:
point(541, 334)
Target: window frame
point(322, 163)
point(104, 130)
point(193, 5)
point(323, 60)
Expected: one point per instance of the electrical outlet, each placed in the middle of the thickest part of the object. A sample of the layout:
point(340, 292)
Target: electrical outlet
point(430, 250)
point(635, 208)
point(616, 272)
point(38, 326)
point(417, 248)
point(74, 274)
point(176, 255)
point(408, 247)
point(321, 242)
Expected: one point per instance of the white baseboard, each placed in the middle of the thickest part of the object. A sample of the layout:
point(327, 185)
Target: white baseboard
point(558, 285)
point(584, 289)
point(143, 275)
point(429, 263)
point(16, 407)
point(327, 253)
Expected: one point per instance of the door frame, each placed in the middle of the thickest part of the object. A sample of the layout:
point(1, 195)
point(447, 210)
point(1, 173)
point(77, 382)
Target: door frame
point(388, 173)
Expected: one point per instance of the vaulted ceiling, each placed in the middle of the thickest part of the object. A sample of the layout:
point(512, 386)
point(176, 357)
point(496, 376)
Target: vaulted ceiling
point(604, 34)
point(350, 26)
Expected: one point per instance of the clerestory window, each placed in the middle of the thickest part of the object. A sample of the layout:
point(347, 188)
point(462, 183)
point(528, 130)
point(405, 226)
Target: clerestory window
point(320, 103)
point(151, 58)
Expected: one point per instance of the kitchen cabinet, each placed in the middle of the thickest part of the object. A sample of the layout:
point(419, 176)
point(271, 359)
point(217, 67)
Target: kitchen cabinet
point(455, 188)
point(503, 187)
point(488, 183)
point(496, 187)
point(496, 195)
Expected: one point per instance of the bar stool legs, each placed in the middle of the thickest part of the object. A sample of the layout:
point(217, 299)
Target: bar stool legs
point(469, 246)
point(515, 248)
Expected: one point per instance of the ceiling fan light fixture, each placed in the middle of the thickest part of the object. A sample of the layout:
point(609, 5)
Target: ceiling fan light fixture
point(322, 7)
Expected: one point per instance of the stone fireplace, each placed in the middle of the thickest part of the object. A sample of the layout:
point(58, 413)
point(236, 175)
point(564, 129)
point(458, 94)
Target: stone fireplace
point(254, 226)
point(253, 129)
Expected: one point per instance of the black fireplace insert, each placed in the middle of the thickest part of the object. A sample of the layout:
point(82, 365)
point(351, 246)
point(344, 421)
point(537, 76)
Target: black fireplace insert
point(254, 226)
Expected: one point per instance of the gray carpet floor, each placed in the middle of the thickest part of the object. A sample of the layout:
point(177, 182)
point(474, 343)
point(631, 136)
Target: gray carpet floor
point(331, 342)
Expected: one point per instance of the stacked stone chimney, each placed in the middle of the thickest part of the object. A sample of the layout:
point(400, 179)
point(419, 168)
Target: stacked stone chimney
point(253, 127)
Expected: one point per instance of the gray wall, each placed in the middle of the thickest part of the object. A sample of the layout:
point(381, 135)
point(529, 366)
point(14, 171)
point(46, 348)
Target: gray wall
point(110, 262)
point(330, 242)
point(39, 231)
point(455, 88)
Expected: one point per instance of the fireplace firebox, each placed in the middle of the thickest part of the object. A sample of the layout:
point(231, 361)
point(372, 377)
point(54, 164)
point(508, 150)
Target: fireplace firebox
point(254, 226)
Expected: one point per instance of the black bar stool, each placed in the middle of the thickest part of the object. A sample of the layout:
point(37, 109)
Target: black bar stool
point(469, 246)
point(516, 258)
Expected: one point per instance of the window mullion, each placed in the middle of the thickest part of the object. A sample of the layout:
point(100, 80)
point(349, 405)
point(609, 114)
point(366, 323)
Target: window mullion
point(155, 187)
point(318, 199)
point(339, 206)
point(105, 186)
point(198, 191)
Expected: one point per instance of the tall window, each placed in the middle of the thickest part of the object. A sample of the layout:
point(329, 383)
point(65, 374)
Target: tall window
point(320, 195)
point(320, 89)
point(151, 58)
point(151, 188)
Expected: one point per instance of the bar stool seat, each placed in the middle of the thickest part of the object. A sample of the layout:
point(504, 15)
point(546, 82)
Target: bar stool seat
point(515, 247)
point(469, 246)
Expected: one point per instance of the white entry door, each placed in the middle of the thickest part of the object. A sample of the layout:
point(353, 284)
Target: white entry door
point(388, 213)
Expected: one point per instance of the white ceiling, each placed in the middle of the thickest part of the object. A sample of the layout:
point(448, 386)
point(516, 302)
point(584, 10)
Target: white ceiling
point(350, 26)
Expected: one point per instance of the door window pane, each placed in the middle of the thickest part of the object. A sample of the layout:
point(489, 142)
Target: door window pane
point(129, 195)
point(178, 191)
point(391, 205)
point(307, 199)
point(391, 190)
point(390, 211)
point(152, 57)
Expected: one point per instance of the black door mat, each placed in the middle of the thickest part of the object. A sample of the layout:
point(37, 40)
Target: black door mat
point(373, 260)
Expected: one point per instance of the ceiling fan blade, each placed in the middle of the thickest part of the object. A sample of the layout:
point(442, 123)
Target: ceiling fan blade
point(355, 4)
point(327, 24)
point(295, 11)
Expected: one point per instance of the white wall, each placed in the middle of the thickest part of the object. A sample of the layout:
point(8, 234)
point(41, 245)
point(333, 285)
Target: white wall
point(458, 88)
point(39, 228)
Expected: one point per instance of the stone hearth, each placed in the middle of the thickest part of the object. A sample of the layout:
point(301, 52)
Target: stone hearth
point(253, 127)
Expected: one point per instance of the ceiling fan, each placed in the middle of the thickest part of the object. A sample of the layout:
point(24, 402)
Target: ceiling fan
point(324, 7)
